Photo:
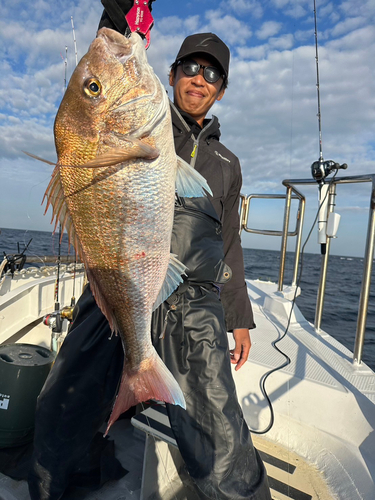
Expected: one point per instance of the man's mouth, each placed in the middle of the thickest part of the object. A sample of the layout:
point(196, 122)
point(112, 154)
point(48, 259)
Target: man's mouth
point(194, 93)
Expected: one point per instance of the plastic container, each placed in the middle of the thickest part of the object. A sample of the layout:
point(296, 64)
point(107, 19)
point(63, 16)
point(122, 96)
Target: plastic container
point(23, 371)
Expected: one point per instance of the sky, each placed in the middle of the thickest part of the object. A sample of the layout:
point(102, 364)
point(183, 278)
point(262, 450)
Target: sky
point(268, 115)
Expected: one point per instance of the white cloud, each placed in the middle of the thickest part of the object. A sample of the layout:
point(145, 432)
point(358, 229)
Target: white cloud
point(268, 114)
point(238, 33)
point(348, 25)
point(268, 28)
point(296, 11)
point(279, 105)
point(254, 7)
point(256, 53)
point(260, 51)
point(304, 35)
point(326, 10)
point(282, 42)
point(364, 8)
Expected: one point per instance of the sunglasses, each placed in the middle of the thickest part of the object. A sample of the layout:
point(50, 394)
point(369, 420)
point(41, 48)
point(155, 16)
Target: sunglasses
point(192, 68)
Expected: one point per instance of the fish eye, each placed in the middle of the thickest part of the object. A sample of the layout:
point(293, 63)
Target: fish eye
point(92, 87)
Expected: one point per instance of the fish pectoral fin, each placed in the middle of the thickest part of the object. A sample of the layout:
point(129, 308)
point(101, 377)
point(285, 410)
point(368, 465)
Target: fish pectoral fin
point(189, 182)
point(172, 279)
point(154, 382)
point(134, 148)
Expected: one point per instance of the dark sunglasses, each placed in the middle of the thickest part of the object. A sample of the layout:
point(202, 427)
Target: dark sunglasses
point(192, 68)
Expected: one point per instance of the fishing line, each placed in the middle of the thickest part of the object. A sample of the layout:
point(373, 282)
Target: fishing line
point(275, 342)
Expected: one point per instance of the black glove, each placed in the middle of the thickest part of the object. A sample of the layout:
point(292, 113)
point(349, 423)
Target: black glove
point(113, 16)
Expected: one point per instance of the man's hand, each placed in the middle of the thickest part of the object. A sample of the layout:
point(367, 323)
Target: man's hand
point(241, 351)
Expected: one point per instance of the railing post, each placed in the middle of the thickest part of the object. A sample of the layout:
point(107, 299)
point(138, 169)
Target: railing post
point(301, 217)
point(284, 238)
point(244, 211)
point(324, 264)
point(321, 288)
point(366, 281)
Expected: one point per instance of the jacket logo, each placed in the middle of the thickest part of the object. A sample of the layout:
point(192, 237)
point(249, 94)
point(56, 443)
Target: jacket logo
point(221, 156)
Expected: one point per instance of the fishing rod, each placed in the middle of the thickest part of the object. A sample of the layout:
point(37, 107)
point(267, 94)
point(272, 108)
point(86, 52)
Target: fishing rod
point(14, 262)
point(74, 40)
point(73, 299)
point(58, 326)
point(321, 168)
point(55, 319)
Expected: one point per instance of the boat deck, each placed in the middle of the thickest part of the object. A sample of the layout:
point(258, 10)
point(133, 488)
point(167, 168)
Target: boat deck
point(321, 444)
point(317, 357)
point(289, 476)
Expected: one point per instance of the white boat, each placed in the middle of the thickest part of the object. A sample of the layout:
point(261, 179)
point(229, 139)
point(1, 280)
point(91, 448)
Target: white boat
point(322, 442)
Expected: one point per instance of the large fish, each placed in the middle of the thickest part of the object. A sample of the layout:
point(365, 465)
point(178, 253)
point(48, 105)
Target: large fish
point(113, 189)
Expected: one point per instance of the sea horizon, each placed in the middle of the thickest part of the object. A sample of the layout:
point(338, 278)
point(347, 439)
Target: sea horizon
point(54, 234)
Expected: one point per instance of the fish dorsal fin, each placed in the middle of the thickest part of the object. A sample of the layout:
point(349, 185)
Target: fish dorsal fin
point(38, 158)
point(134, 148)
point(189, 182)
point(60, 213)
point(172, 279)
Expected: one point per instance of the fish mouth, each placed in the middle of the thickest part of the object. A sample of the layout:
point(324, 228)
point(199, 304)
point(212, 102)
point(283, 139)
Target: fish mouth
point(123, 48)
point(117, 44)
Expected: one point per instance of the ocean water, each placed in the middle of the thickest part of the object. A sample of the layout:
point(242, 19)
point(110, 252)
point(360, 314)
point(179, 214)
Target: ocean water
point(342, 289)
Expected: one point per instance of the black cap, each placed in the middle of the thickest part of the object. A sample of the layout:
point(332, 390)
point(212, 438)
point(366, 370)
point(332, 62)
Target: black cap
point(206, 43)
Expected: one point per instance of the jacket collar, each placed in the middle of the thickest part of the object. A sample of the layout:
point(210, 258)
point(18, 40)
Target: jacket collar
point(184, 122)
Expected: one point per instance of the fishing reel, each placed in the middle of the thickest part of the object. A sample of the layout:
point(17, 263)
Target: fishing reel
point(328, 220)
point(322, 168)
point(16, 262)
point(55, 321)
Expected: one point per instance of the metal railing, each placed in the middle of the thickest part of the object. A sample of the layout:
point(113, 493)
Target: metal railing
point(291, 193)
point(244, 218)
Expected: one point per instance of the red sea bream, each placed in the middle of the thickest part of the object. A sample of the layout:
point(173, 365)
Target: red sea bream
point(113, 189)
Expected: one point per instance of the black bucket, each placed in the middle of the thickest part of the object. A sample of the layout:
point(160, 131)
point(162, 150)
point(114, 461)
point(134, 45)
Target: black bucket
point(23, 371)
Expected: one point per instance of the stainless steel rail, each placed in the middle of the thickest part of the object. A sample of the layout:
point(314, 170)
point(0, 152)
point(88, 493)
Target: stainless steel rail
point(369, 250)
point(244, 217)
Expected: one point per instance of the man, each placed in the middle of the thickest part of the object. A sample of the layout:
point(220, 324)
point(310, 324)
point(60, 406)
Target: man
point(188, 330)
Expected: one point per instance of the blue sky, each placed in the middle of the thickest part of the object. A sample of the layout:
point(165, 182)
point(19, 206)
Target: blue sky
point(268, 114)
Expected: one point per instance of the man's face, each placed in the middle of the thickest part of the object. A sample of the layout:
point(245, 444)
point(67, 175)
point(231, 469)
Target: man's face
point(193, 94)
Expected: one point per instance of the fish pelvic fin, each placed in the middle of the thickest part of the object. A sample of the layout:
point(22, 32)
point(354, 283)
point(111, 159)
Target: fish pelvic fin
point(152, 380)
point(171, 281)
point(189, 182)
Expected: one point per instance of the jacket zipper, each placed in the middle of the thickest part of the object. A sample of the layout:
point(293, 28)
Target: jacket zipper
point(194, 153)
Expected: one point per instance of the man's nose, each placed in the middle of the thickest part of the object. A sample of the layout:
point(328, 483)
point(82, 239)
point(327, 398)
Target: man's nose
point(199, 78)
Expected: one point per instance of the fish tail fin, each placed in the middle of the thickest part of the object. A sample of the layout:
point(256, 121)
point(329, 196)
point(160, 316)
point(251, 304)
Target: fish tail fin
point(152, 381)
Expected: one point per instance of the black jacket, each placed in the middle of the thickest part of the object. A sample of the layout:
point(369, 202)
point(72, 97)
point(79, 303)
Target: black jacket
point(221, 168)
